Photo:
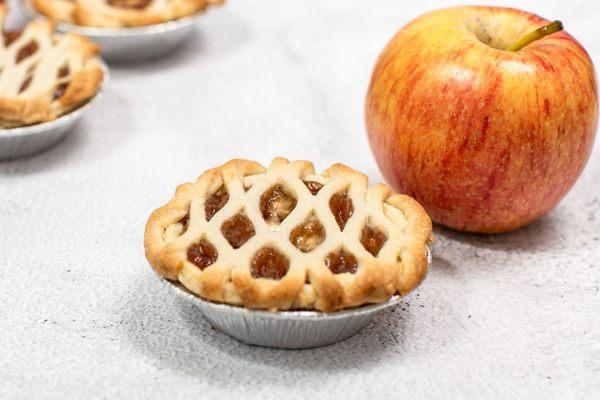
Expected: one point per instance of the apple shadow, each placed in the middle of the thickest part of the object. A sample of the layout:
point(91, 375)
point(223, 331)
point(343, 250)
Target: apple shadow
point(82, 139)
point(541, 235)
point(218, 35)
point(174, 334)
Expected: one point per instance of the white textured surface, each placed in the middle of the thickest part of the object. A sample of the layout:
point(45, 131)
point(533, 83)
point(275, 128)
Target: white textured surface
point(82, 316)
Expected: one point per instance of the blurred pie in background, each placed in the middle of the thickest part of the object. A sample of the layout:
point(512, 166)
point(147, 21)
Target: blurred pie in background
point(119, 13)
point(44, 75)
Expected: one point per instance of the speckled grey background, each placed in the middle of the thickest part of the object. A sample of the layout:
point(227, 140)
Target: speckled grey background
point(82, 317)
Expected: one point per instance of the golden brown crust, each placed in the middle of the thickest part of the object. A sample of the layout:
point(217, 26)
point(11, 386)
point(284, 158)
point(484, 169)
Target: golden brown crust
point(413, 259)
point(102, 13)
point(83, 85)
point(59, 10)
point(398, 266)
point(43, 75)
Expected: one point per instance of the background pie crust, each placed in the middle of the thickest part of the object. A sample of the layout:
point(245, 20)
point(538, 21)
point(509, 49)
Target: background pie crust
point(119, 13)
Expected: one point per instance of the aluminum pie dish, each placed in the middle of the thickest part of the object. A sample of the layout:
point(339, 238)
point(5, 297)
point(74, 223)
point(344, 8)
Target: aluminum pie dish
point(135, 43)
point(26, 140)
point(284, 329)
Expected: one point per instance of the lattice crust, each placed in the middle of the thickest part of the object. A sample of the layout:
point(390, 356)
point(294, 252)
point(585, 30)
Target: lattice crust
point(119, 13)
point(43, 75)
point(285, 238)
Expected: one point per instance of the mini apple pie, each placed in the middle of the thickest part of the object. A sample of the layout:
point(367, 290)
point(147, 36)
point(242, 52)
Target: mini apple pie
point(285, 238)
point(119, 13)
point(44, 75)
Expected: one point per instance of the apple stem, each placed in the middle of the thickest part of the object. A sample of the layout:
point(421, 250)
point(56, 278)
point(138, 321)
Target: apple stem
point(539, 33)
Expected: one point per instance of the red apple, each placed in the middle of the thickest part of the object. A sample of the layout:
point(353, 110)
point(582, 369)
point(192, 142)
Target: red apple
point(487, 139)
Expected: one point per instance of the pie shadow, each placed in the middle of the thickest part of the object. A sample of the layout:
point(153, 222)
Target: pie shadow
point(445, 268)
point(173, 333)
point(94, 136)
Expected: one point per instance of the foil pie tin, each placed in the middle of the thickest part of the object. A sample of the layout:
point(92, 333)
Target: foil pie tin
point(284, 329)
point(128, 44)
point(26, 140)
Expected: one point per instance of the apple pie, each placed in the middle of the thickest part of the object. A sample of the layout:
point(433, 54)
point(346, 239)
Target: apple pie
point(283, 237)
point(119, 13)
point(44, 75)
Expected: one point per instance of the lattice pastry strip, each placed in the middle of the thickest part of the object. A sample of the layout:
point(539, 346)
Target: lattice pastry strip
point(286, 238)
point(43, 75)
point(119, 13)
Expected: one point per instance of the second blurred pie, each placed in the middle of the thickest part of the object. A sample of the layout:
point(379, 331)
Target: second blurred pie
point(126, 30)
point(119, 13)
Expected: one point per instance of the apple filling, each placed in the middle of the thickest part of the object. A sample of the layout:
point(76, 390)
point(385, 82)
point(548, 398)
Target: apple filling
point(269, 263)
point(184, 222)
point(135, 4)
point(176, 229)
point(202, 254)
point(372, 239)
point(341, 262)
point(308, 235)
point(27, 51)
point(60, 90)
point(215, 202)
point(64, 71)
point(10, 36)
point(313, 187)
point(25, 84)
point(276, 204)
point(341, 206)
point(238, 230)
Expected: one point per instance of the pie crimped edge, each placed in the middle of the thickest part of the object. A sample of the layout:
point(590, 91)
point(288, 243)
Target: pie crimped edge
point(99, 13)
point(68, 60)
point(308, 284)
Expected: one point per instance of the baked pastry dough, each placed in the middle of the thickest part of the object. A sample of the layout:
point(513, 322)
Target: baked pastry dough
point(285, 238)
point(119, 13)
point(44, 75)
